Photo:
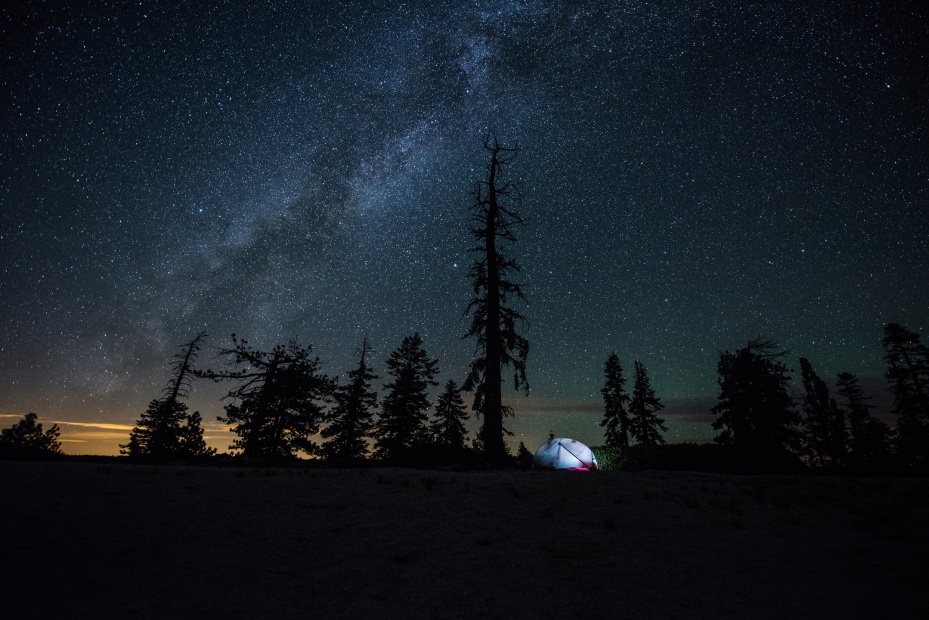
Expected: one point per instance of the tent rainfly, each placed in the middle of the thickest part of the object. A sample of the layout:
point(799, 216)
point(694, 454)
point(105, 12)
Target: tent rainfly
point(563, 453)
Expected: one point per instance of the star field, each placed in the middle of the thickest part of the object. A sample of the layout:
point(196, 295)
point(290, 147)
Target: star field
point(694, 174)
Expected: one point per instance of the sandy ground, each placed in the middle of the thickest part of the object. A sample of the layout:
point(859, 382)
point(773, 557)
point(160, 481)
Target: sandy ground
point(119, 541)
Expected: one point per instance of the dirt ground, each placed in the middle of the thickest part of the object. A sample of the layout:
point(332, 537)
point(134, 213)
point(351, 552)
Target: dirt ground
point(85, 540)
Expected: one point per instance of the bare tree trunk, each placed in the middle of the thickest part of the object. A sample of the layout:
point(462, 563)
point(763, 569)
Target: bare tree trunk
point(492, 430)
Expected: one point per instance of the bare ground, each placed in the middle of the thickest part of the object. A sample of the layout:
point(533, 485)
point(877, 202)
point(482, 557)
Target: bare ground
point(85, 540)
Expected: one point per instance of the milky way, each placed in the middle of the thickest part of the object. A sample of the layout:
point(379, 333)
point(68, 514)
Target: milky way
point(694, 174)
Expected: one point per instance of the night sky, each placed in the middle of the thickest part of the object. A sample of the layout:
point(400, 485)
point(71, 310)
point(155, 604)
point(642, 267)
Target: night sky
point(695, 174)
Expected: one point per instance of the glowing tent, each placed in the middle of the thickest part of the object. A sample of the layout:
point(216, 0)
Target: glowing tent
point(563, 453)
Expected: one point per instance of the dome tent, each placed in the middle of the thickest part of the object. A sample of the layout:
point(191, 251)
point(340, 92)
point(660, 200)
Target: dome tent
point(564, 453)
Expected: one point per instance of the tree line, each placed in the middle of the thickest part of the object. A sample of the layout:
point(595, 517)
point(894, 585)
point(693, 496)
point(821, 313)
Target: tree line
point(759, 414)
point(280, 402)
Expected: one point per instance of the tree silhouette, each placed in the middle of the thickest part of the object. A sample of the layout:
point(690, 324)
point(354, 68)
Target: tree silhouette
point(755, 408)
point(868, 437)
point(192, 443)
point(825, 422)
point(352, 419)
point(402, 423)
point(448, 427)
point(495, 325)
point(27, 440)
point(524, 458)
point(645, 426)
point(615, 417)
point(908, 378)
point(279, 400)
point(165, 431)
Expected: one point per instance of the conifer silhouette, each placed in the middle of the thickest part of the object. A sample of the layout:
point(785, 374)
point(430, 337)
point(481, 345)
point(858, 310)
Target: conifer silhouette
point(27, 440)
point(645, 426)
point(495, 325)
point(868, 437)
point(279, 400)
point(825, 422)
point(165, 431)
point(402, 422)
point(352, 419)
point(615, 416)
point(908, 379)
point(524, 458)
point(755, 407)
point(448, 427)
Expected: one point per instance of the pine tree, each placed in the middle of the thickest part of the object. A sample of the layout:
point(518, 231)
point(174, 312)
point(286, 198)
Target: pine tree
point(157, 434)
point(825, 422)
point(402, 423)
point(27, 440)
point(165, 431)
point(644, 424)
point(615, 417)
point(495, 325)
point(868, 438)
point(193, 445)
point(524, 458)
point(279, 400)
point(755, 408)
point(448, 429)
point(908, 378)
point(352, 420)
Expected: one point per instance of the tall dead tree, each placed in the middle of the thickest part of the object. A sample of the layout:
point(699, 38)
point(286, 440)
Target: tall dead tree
point(495, 325)
point(166, 431)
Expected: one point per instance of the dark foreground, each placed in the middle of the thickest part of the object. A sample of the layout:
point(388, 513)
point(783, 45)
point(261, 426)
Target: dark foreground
point(84, 540)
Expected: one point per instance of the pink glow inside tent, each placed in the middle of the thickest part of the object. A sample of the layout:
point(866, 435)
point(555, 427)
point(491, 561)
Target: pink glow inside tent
point(564, 453)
